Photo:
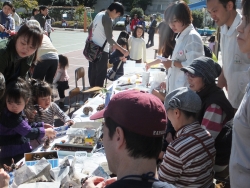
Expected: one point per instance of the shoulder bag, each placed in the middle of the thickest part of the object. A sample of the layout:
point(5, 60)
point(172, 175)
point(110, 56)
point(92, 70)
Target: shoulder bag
point(92, 51)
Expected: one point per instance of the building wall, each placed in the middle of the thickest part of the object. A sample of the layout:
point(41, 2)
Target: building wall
point(158, 6)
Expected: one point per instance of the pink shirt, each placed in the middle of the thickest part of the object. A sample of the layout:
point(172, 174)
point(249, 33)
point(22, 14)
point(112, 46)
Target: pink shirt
point(61, 75)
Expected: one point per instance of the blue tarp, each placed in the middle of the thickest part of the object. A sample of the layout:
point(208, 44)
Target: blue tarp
point(198, 5)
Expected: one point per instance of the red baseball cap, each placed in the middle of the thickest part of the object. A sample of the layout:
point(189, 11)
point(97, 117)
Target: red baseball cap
point(137, 111)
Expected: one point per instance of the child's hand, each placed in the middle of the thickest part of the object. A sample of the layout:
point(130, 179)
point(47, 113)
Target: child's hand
point(46, 126)
point(124, 59)
point(50, 133)
point(70, 122)
point(121, 58)
point(163, 85)
point(4, 179)
point(147, 66)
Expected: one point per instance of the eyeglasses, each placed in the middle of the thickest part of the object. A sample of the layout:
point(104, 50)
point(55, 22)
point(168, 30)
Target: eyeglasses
point(188, 74)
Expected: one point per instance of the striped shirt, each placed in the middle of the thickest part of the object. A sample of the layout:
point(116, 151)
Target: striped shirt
point(186, 163)
point(214, 120)
point(47, 115)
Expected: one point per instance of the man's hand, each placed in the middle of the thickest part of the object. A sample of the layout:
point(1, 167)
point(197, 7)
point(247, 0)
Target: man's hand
point(4, 179)
point(222, 82)
point(125, 53)
point(94, 182)
point(110, 180)
point(169, 138)
point(161, 155)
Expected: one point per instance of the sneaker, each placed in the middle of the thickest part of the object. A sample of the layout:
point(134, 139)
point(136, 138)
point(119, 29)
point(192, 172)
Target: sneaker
point(61, 105)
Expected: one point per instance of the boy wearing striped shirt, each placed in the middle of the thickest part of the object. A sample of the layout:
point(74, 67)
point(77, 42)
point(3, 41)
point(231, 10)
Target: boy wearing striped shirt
point(189, 159)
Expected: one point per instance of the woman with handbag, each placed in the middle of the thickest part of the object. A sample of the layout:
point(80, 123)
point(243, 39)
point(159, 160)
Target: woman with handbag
point(117, 59)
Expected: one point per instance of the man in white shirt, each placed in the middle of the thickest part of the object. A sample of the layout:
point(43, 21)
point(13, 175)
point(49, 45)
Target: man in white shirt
point(235, 66)
point(100, 31)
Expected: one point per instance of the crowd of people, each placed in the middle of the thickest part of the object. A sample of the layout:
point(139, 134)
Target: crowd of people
point(195, 147)
point(183, 137)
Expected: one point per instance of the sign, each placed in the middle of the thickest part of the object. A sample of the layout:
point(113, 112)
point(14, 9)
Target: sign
point(64, 15)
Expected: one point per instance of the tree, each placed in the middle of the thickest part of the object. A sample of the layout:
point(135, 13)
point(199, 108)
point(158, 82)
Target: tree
point(137, 11)
point(186, 1)
point(87, 3)
point(26, 4)
point(79, 12)
point(45, 2)
point(129, 4)
point(144, 4)
point(197, 18)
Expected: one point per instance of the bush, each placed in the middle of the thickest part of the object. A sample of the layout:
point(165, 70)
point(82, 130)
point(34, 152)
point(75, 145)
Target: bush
point(137, 11)
point(70, 24)
point(197, 18)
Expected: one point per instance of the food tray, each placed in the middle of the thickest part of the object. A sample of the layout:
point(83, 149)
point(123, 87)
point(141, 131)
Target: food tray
point(69, 149)
point(30, 161)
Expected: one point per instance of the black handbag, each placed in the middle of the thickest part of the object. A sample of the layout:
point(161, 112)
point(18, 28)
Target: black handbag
point(92, 51)
point(111, 73)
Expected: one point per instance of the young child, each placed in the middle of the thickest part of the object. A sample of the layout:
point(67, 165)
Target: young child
point(117, 58)
point(46, 110)
point(15, 131)
point(61, 78)
point(211, 44)
point(123, 34)
point(137, 45)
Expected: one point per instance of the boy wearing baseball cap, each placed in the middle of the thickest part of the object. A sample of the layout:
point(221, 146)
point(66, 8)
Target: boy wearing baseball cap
point(189, 159)
point(135, 123)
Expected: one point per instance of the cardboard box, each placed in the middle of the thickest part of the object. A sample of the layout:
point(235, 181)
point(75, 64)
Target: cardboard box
point(28, 157)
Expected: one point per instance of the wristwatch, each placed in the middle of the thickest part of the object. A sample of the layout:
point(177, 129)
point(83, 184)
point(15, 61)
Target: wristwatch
point(172, 64)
